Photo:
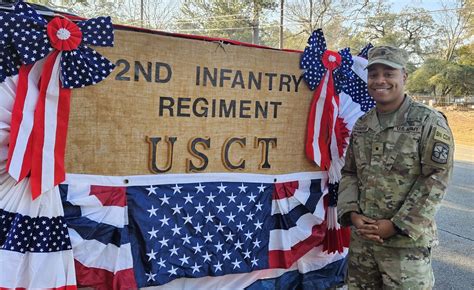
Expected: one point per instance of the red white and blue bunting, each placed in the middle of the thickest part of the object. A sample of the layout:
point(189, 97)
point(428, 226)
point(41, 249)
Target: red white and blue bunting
point(340, 98)
point(51, 58)
point(40, 62)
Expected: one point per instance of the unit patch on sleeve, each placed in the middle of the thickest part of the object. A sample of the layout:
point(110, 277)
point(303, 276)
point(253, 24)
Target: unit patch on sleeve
point(442, 135)
point(440, 153)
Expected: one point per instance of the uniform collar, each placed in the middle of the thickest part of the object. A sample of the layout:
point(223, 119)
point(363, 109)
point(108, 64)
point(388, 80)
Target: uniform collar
point(398, 120)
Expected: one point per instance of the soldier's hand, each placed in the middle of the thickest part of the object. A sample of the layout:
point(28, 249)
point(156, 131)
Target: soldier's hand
point(386, 228)
point(366, 227)
point(363, 222)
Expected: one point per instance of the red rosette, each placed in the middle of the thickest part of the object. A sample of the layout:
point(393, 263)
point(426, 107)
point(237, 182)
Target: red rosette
point(64, 34)
point(331, 60)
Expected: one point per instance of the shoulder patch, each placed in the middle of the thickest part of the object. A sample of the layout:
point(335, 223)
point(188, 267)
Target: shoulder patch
point(440, 153)
point(442, 135)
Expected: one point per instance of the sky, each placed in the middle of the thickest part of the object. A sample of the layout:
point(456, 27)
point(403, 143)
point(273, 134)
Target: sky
point(397, 5)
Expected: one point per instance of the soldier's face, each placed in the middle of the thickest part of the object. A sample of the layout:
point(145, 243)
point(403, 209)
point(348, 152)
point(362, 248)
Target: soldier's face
point(386, 84)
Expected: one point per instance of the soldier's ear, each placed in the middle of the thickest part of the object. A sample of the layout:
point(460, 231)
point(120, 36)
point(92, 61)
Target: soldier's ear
point(405, 75)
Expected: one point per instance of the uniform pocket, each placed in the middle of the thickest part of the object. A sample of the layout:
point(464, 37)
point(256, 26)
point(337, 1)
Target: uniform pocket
point(359, 149)
point(393, 153)
point(403, 155)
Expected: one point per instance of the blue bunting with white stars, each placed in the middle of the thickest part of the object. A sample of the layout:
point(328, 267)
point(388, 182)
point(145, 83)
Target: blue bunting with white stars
point(343, 73)
point(27, 40)
point(365, 51)
point(9, 59)
point(357, 87)
point(312, 63)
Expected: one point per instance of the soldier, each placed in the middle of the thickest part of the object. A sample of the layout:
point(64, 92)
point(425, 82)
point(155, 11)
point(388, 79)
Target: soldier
point(398, 165)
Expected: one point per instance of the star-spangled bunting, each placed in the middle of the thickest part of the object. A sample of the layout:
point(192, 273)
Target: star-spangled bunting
point(53, 57)
point(9, 59)
point(317, 60)
point(356, 87)
point(340, 98)
point(159, 233)
point(38, 234)
point(364, 52)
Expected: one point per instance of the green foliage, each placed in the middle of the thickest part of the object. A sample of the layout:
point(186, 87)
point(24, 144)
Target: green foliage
point(440, 77)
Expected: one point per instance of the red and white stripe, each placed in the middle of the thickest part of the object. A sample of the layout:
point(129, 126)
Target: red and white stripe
point(102, 265)
point(111, 210)
point(39, 125)
point(30, 270)
point(22, 120)
point(346, 112)
point(286, 246)
point(318, 125)
point(315, 259)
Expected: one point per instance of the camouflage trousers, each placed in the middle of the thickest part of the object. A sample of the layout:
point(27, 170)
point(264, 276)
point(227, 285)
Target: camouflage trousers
point(374, 266)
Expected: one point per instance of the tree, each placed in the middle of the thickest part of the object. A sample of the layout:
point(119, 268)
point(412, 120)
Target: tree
point(85, 8)
point(157, 14)
point(241, 20)
point(439, 77)
point(450, 70)
point(154, 14)
point(457, 26)
point(330, 15)
point(419, 80)
point(413, 31)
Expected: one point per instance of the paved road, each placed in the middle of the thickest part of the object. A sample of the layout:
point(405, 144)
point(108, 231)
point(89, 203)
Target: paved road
point(453, 260)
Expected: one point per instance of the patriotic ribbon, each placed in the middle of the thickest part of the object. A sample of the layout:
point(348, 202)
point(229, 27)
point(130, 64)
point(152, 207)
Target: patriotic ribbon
point(326, 72)
point(54, 59)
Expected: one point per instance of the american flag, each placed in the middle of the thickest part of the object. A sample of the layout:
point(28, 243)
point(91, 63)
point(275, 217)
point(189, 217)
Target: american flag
point(204, 229)
point(195, 229)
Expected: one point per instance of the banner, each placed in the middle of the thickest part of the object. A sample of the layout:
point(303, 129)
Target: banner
point(176, 105)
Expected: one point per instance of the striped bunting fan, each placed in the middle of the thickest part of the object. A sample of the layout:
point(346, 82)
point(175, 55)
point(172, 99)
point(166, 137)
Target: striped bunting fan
point(340, 98)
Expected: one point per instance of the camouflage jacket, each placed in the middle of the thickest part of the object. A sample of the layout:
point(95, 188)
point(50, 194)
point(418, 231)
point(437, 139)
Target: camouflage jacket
point(399, 172)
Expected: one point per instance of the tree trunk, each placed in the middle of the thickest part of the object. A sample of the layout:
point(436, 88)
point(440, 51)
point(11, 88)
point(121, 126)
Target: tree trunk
point(256, 23)
point(281, 23)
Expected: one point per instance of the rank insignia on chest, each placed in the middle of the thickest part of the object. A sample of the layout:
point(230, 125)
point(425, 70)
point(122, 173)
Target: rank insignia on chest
point(377, 148)
point(440, 153)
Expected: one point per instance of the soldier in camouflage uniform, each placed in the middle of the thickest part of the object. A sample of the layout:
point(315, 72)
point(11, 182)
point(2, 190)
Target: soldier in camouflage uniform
point(398, 165)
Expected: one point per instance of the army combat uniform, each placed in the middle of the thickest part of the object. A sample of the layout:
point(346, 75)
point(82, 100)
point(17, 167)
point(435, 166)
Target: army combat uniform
point(397, 168)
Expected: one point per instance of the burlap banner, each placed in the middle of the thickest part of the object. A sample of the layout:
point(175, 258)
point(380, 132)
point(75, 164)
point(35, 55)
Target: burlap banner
point(176, 105)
